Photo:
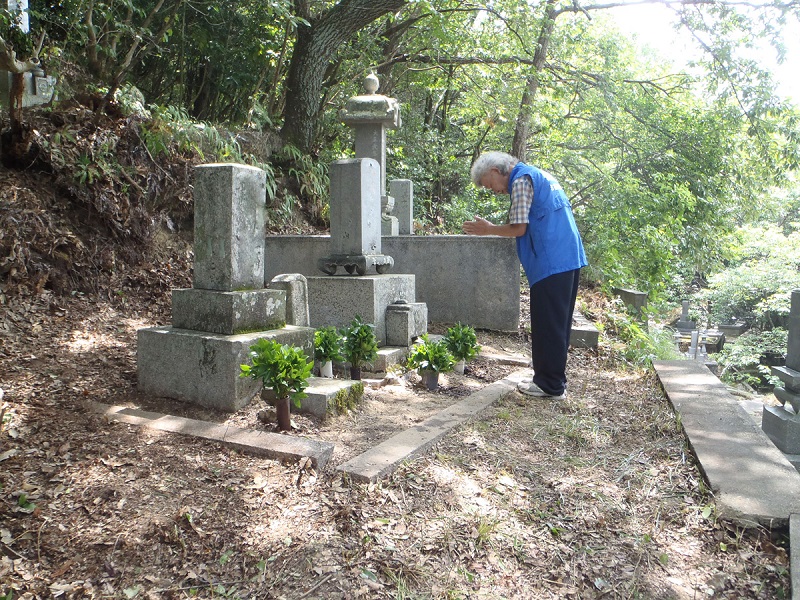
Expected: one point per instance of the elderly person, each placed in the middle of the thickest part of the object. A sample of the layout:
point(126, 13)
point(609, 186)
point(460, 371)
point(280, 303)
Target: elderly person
point(551, 252)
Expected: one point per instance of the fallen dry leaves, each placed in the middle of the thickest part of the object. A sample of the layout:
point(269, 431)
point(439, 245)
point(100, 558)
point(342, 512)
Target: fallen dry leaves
point(594, 497)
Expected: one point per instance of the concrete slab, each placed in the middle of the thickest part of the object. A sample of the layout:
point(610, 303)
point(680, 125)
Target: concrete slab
point(384, 458)
point(752, 481)
point(250, 441)
point(584, 334)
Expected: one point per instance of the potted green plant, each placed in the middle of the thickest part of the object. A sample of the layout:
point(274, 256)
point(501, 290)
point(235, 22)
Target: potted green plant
point(430, 358)
point(463, 345)
point(359, 346)
point(283, 369)
point(327, 348)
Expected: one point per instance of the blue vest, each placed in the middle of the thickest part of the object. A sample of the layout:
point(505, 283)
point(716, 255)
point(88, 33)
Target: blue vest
point(551, 243)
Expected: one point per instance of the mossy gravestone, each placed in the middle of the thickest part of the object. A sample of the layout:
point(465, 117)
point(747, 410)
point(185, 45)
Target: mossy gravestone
point(228, 309)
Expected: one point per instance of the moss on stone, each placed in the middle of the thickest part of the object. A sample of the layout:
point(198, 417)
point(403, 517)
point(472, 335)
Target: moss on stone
point(346, 399)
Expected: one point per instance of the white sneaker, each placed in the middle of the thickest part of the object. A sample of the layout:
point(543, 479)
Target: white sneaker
point(531, 389)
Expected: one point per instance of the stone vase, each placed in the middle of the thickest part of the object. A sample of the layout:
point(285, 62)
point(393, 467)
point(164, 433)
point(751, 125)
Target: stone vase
point(430, 379)
point(283, 413)
point(326, 369)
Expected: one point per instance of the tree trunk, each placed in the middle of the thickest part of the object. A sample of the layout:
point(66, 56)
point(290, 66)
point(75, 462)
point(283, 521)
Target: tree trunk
point(317, 44)
point(16, 141)
point(519, 147)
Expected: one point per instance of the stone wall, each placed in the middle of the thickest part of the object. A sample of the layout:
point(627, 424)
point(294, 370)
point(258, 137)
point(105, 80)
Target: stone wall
point(470, 279)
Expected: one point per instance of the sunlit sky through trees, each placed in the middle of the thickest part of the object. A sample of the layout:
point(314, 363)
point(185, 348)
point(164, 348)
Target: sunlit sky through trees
point(653, 26)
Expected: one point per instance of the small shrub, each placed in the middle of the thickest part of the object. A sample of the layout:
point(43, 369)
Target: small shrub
point(744, 359)
point(462, 342)
point(284, 369)
point(430, 356)
point(327, 344)
point(360, 344)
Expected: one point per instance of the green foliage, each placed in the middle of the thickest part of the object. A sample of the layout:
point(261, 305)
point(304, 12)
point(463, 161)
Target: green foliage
point(632, 341)
point(462, 342)
point(360, 344)
point(746, 358)
point(757, 284)
point(11, 31)
point(429, 355)
point(284, 369)
point(327, 344)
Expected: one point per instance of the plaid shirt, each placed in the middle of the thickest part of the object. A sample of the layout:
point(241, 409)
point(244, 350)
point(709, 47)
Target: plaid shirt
point(521, 200)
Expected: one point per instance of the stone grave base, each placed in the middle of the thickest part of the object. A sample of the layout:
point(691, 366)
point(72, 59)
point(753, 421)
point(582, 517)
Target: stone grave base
point(337, 300)
point(782, 427)
point(203, 368)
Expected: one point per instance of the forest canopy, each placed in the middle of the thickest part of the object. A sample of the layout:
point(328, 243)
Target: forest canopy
point(660, 162)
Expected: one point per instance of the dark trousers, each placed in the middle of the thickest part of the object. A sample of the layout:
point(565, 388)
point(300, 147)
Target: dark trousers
point(552, 305)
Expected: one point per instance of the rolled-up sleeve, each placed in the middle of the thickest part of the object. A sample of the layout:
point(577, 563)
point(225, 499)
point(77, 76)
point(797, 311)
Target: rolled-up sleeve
point(521, 200)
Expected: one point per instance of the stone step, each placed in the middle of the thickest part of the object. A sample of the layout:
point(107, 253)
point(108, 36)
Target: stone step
point(328, 396)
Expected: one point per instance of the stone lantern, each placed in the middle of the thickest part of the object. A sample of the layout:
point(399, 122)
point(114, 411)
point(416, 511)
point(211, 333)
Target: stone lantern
point(358, 186)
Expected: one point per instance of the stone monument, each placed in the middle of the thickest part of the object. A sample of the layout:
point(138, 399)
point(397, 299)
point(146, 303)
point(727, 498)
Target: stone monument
point(215, 322)
point(357, 226)
point(781, 423)
point(684, 323)
point(357, 194)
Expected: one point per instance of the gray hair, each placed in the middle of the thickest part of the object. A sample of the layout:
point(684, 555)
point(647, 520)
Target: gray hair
point(491, 160)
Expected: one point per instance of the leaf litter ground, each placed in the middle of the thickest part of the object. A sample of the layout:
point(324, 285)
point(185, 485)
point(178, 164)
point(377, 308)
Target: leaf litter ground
point(593, 497)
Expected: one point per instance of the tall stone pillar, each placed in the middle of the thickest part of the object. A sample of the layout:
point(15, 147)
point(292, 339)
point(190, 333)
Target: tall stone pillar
point(359, 205)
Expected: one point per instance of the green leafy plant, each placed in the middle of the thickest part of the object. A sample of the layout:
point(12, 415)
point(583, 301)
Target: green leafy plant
point(360, 344)
point(462, 342)
point(327, 344)
point(284, 369)
point(746, 359)
point(429, 355)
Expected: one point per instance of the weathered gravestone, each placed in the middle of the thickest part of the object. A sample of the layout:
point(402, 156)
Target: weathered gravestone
point(356, 194)
point(228, 309)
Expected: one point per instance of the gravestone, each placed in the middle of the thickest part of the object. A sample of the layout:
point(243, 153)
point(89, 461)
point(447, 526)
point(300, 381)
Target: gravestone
point(357, 193)
point(633, 299)
point(402, 190)
point(228, 309)
point(38, 88)
point(684, 324)
point(780, 423)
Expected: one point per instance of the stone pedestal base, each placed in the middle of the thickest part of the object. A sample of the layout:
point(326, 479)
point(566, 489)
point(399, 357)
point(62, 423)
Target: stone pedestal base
point(228, 313)
point(355, 264)
point(404, 322)
point(782, 427)
point(337, 301)
point(203, 368)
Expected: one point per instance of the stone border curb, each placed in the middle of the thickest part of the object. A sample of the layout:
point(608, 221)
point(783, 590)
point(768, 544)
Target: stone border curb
point(794, 557)
point(752, 481)
point(384, 458)
point(250, 441)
